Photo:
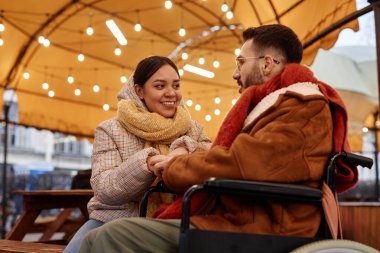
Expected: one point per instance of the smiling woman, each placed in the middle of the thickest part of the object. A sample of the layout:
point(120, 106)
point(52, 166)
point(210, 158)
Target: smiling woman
point(151, 122)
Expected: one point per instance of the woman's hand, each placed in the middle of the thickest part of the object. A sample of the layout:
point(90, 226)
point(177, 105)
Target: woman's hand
point(154, 162)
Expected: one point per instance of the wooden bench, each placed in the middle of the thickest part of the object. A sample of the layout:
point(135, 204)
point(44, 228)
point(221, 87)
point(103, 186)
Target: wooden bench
point(9, 246)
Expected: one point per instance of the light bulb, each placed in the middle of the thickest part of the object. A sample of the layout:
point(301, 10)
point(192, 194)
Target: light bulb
point(208, 117)
point(2, 27)
point(234, 101)
point(217, 100)
point(229, 15)
point(138, 27)
point(123, 79)
point(185, 56)
point(189, 102)
point(70, 79)
point(51, 93)
point(117, 51)
point(45, 86)
point(41, 39)
point(90, 31)
point(224, 7)
point(26, 75)
point(46, 43)
point(201, 60)
point(182, 32)
point(181, 72)
point(365, 130)
point(198, 107)
point(81, 57)
point(106, 107)
point(217, 112)
point(168, 4)
point(237, 51)
point(96, 88)
point(216, 64)
point(1, 41)
point(77, 92)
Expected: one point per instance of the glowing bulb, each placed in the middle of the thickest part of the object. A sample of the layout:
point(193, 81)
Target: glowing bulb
point(2, 27)
point(51, 93)
point(229, 15)
point(1, 41)
point(237, 51)
point(90, 31)
point(138, 27)
point(217, 100)
point(168, 4)
point(26, 75)
point(117, 51)
point(182, 32)
point(106, 107)
point(181, 72)
point(96, 88)
point(198, 107)
point(77, 92)
point(234, 101)
point(365, 130)
point(81, 57)
point(185, 56)
point(46, 43)
point(216, 64)
point(41, 39)
point(208, 117)
point(224, 7)
point(201, 60)
point(217, 112)
point(45, 86)
point(123, 79)
point(70, 79)
point(189, 102)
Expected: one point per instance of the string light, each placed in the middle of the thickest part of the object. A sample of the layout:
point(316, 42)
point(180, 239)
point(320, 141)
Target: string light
point(81, 57)
point(181, 72)
point(41, 39)
point(182, 32)
point(2, 26)
point(1, 41)
point(217, 100)
point(51, 93)
point(96, 88)
point(45, 86)
point(77, 92)
point(185, 56)
point(234, 101)
point(198, 107)
point(216, 64)
point(217, 112)
point(168, 4)
point(117, 51)
point(208, 117)
point(201, 60)
point(189, 102)
point(237, 51)
point(123, 79)
point(70, 79)
point(46, 43)
point(89, 30)
point(224, 7)
point(26, 75)
point(138, 26)
point(365, 130)
point(229, 15)
point(106, 107)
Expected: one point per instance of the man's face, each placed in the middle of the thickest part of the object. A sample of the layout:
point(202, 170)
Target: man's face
point(248, 70)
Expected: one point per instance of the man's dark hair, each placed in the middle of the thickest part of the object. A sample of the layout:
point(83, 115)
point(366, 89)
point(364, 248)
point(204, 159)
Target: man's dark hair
point(276, 36)
point(148, 66)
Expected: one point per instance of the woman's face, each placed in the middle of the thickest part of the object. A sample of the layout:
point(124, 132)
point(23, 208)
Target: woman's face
point(161, 92)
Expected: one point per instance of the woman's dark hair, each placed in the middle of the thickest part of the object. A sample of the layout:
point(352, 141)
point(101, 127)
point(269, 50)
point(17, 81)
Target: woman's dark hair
point(276, 36)
point(148, 66)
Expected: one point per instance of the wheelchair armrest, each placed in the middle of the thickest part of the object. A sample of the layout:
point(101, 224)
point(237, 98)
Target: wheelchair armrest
point(159, 187)
point(261, 190)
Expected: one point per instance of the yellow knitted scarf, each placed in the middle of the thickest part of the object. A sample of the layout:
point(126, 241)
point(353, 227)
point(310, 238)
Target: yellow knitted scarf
point(158, 131)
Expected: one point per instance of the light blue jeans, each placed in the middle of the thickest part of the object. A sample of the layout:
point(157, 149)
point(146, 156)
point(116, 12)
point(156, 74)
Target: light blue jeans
point(74, 244)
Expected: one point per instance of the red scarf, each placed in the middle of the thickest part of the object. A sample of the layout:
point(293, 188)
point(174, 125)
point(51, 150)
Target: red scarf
point(346, 176)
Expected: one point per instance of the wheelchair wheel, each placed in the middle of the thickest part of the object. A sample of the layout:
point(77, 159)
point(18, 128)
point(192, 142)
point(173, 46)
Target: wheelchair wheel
point(335, 246)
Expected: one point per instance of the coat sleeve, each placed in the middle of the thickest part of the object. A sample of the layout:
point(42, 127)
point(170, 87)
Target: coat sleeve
point(195, 140)
point(115, 181)
point(284, 149)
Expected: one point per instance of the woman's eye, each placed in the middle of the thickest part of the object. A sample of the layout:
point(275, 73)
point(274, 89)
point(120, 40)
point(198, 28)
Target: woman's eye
point(176, 86)
point(160, 86)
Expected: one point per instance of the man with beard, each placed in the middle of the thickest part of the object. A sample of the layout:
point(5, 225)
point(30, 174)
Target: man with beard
point(283, 128)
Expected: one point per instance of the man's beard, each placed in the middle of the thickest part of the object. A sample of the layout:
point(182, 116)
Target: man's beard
point(255, 78)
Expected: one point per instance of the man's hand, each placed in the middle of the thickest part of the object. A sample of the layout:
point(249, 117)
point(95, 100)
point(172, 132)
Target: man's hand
point(177, 152)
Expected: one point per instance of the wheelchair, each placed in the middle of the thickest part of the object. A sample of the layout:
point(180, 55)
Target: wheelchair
point(202, 241)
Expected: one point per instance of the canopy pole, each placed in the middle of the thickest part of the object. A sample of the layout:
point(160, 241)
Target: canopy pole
point(4, 202)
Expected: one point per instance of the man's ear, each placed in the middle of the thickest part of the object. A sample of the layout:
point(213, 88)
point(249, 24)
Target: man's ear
point(268, 65)
point(139, 91)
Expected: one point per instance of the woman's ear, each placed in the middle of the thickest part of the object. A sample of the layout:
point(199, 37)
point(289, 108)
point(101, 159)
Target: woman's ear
point(139, 91)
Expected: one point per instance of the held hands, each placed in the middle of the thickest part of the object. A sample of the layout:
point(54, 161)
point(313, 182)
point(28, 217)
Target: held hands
point(157, 163)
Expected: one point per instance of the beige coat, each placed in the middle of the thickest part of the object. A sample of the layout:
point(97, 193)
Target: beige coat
point(119, 171)
point(286, 138)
